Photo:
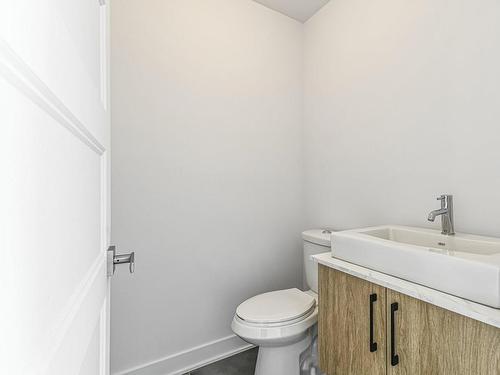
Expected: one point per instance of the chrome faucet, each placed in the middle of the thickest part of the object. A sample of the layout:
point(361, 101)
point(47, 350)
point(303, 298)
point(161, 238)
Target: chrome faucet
point(446, 213)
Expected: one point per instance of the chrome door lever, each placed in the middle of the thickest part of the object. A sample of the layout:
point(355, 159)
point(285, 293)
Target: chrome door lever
point(114, 259)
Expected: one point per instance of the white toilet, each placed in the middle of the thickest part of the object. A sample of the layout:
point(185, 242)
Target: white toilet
point(281, 322)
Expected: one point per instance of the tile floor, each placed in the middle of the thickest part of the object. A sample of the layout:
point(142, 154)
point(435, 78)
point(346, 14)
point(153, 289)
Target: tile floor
point(240, 364)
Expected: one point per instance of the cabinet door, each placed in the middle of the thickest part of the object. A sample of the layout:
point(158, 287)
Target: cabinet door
point(345, 325)
point(432, 341)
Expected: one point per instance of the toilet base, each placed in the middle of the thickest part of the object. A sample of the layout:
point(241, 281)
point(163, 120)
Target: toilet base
point(281, 360)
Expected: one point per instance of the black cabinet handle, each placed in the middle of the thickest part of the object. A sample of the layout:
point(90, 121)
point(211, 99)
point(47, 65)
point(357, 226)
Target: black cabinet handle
point(373, 345)
point(394, 356)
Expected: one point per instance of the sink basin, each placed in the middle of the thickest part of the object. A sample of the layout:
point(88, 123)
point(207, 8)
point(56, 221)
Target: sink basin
point(463, 265)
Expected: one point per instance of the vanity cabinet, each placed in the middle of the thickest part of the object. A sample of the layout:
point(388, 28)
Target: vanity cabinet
point(411, 337)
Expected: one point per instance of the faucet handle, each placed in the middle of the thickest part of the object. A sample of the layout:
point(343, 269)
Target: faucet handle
point(444, 197)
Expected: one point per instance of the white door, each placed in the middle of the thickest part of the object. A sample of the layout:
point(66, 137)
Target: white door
point(54, 189)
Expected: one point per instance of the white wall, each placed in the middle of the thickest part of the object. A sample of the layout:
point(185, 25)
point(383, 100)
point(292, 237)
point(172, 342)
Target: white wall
point(206, 114)
point(402, 103)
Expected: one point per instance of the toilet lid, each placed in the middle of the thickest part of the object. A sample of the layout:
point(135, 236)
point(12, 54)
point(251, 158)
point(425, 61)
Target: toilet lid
point(276, 307)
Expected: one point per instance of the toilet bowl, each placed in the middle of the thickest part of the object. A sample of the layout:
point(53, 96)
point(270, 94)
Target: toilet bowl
point(280, 322)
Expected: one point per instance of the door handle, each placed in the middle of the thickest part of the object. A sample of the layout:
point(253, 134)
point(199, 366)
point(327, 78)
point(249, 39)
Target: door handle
point(394, 356)
point(373, 345)
point(113, 260)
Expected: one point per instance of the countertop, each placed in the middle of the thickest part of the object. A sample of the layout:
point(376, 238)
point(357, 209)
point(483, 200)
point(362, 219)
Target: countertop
point(458, 305)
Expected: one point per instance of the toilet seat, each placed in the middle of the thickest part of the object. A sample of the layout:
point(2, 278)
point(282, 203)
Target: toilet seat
point(275, 333)
point(278, 307)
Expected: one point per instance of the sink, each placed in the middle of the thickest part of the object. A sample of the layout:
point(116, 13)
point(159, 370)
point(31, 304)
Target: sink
point(463, 265)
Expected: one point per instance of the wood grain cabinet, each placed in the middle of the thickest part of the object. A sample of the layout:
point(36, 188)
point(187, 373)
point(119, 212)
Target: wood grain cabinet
point(368, 329)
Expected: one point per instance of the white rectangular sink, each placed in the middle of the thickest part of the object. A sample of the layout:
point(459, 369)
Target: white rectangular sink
point(464, 265)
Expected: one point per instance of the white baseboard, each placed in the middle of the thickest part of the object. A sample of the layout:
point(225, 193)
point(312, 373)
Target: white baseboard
point(191, 359)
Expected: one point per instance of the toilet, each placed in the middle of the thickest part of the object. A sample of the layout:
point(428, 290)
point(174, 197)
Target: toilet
point(281, 323)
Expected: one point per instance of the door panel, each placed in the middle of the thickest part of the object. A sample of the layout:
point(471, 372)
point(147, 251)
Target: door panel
point(90, 365)
point(431, 340)
point(344, 325)
point(63, 45)
point(54, 190)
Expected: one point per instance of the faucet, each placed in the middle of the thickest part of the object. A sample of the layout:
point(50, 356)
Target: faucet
point(446, 213)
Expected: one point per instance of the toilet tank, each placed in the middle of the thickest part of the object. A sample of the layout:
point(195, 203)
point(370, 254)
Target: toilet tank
point(315, 241)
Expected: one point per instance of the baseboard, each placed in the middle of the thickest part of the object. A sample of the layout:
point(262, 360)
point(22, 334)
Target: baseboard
point(191, 359)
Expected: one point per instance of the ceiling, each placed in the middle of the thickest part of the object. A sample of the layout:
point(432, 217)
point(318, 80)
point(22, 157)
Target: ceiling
point(301, 10)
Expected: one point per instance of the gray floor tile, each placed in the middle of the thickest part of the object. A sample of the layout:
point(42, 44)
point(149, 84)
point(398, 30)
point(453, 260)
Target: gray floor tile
point(240, 364)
